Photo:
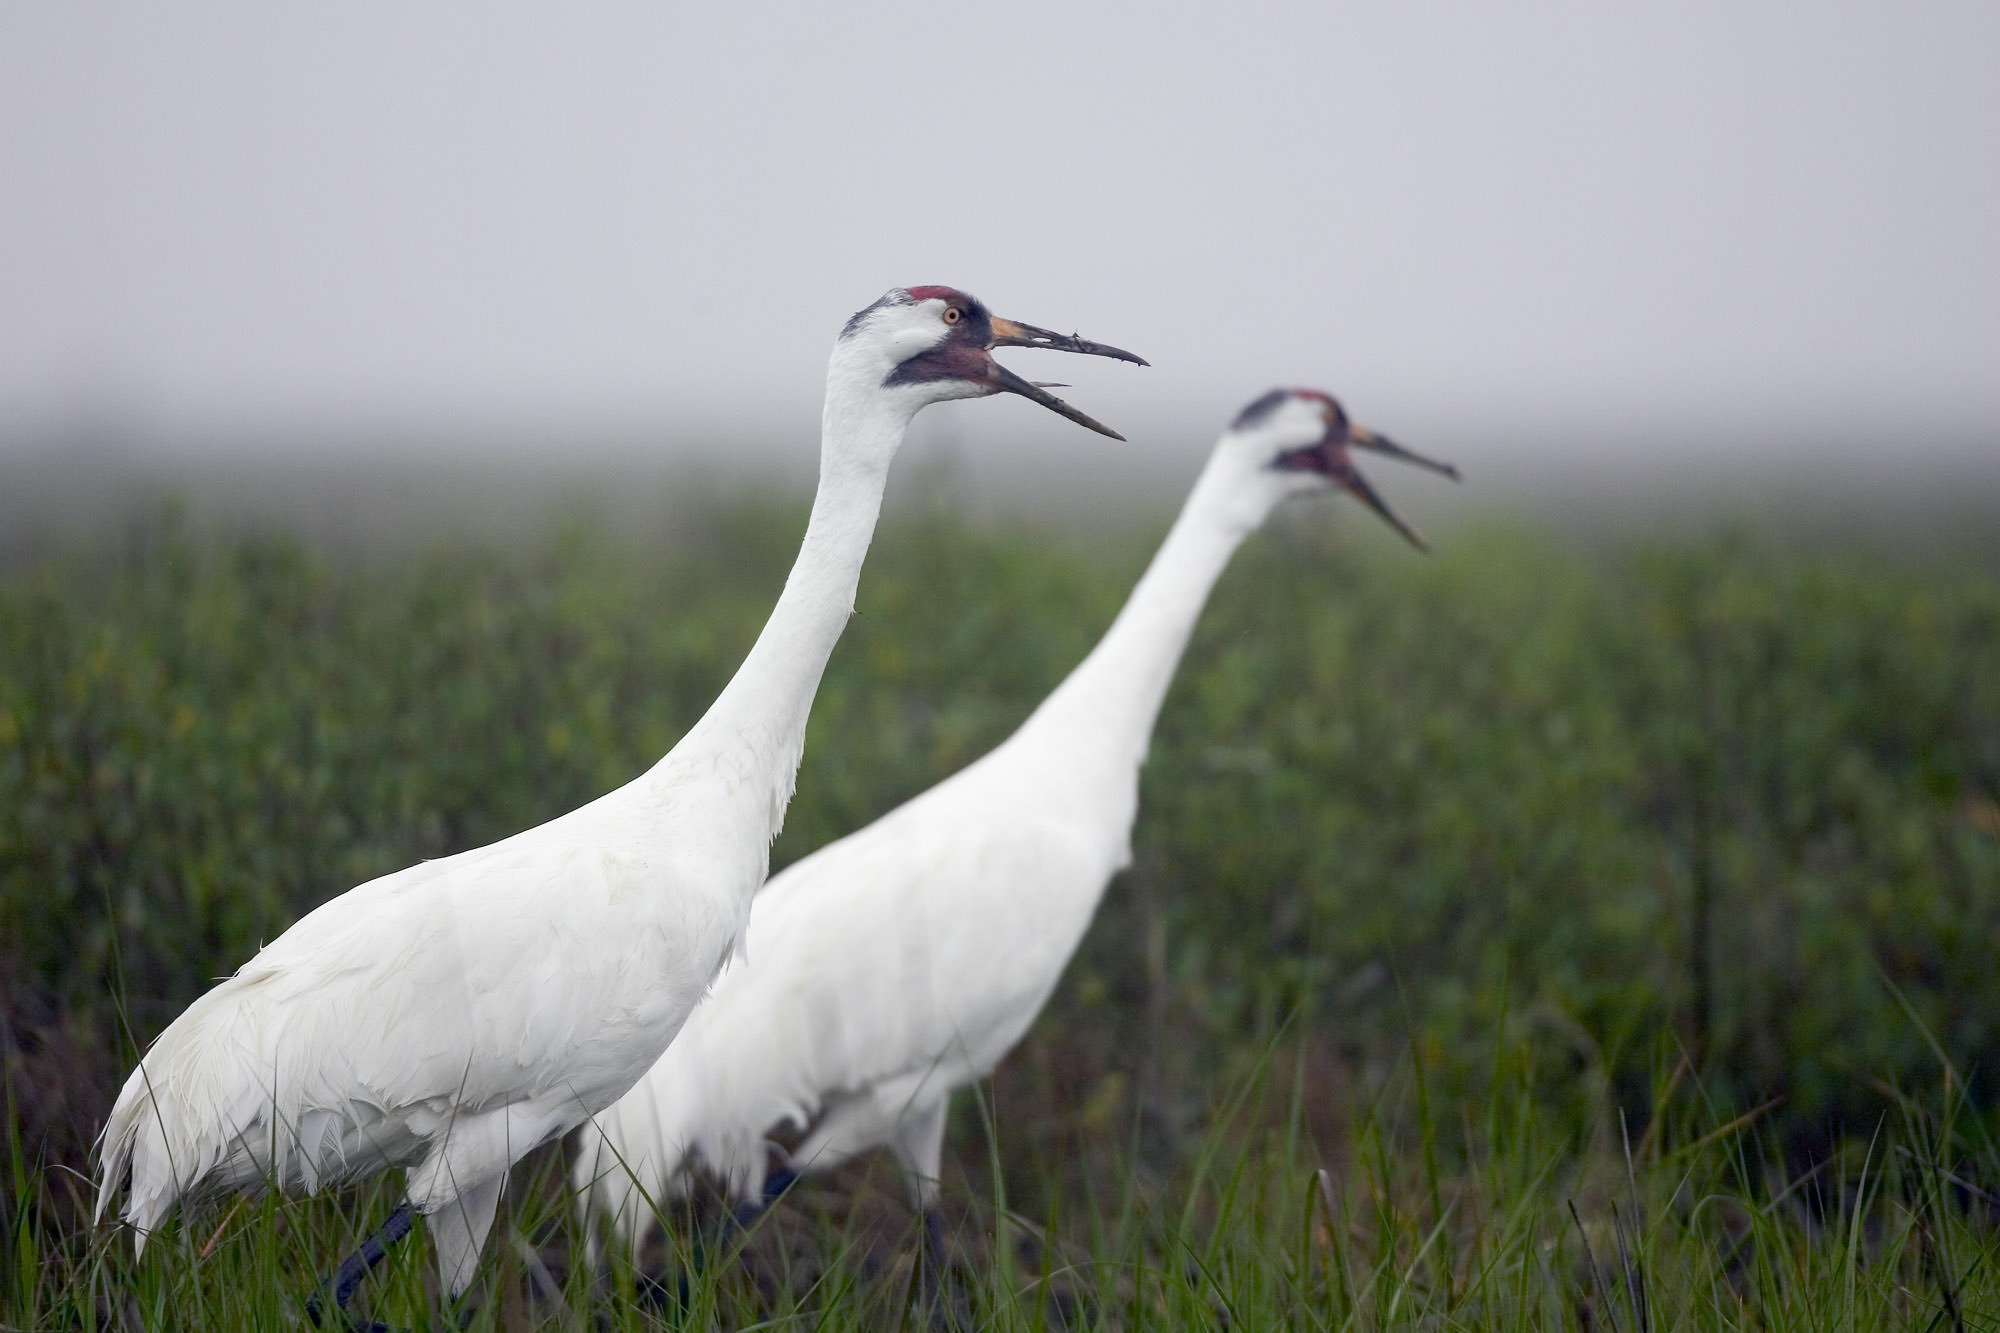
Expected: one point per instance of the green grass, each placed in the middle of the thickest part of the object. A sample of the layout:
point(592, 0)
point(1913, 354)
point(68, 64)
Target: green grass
point(1687, 1223)
point(1450, 872)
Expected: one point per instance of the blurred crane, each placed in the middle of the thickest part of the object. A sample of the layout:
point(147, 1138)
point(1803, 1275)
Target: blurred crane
point(449, 1018)
point(902, 962)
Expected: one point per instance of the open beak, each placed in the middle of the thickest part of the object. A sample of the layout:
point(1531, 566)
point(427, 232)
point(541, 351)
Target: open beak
point(1007, 333)
point(1338, 465)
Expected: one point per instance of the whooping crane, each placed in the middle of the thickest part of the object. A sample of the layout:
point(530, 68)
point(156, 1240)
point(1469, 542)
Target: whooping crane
point(450, 1017)
point(903, 961)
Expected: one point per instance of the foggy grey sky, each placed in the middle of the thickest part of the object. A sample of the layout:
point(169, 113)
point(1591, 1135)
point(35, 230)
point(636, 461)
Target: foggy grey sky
point(1488, 228)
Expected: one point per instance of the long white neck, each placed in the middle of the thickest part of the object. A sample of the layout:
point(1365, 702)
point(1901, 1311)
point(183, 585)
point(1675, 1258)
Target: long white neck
point(753, 735)
point(1100, 720)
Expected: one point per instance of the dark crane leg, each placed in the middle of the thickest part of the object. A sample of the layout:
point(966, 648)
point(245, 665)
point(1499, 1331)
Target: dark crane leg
point(357, 1266)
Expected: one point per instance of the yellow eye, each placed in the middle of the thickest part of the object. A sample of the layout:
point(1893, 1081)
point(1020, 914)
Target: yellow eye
point(952, 314)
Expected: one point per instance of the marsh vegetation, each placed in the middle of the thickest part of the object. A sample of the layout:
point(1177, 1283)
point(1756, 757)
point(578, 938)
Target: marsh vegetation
point(1548, 933)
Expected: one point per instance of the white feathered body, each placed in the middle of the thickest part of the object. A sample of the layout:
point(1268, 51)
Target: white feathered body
point(880, 973)
point(450, 1017)
point(437, 1019)
point(906, 959)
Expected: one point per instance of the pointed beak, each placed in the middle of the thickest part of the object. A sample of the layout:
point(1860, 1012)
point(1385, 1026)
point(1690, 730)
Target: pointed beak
point(1006, 379)
point(1363, 438)
point(1007, 333)
point(1338, 464)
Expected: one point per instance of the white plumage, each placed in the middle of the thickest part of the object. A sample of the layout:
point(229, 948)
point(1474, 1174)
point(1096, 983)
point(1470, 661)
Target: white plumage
point(450, 1017)
point(903, 961)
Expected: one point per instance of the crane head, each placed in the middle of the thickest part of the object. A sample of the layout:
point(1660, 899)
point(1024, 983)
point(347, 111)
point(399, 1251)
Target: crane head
point(941, 340)
point(1305, 436)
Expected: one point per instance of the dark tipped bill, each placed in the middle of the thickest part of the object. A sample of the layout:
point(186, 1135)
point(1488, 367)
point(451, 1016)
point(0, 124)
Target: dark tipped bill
point(1363, 438)
point(1006, 379)
point(1007, 333)
point(1345, 474)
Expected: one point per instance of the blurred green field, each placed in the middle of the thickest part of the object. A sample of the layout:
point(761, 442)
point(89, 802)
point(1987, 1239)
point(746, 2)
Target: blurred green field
point(1532, 832)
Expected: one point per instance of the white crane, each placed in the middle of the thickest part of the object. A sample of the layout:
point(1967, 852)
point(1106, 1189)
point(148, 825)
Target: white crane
point(449, 1018)
point(903, 961)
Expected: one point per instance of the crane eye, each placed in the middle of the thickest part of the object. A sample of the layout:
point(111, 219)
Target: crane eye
point(951, 314)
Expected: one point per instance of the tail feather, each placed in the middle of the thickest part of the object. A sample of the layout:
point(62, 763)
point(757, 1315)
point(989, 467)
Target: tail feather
point(159, 1152)
point(194, 1118)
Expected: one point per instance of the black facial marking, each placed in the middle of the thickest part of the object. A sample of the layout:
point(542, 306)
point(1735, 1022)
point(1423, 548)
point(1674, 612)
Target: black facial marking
point(1311, 458)
point(975, 324)
point(961, 355)
point(1260, 411)
point(955, 358)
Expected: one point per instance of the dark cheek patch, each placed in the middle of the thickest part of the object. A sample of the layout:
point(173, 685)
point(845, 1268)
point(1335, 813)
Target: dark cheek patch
point(1313, 458)
point(949, 360)
point(961, 355)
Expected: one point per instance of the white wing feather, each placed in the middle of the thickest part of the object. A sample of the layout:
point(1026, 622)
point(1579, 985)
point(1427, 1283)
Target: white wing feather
point(421, 1047)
